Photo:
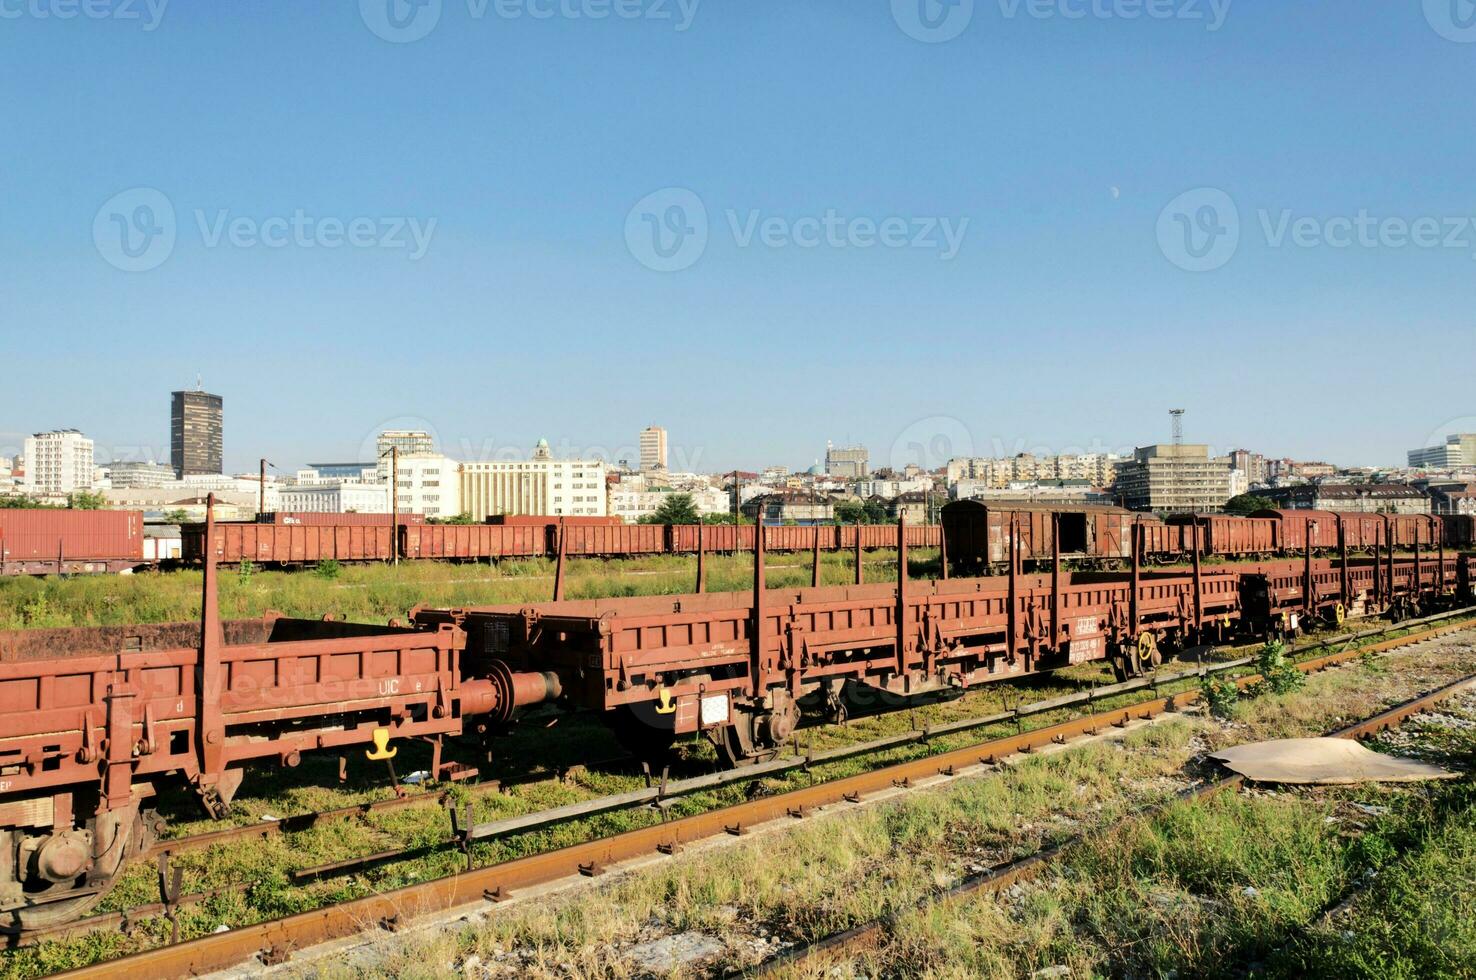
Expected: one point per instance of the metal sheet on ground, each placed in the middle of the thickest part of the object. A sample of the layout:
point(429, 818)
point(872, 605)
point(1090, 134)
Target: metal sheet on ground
point(1325, 761)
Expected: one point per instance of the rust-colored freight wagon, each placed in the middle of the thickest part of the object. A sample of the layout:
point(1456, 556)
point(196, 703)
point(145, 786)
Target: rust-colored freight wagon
point(1227, 536)
point(1459, 530)
point(979, 534)
point(41, 541)
point(95, 721)
point(472, 542)
point(289, 544)
point(1297, 529)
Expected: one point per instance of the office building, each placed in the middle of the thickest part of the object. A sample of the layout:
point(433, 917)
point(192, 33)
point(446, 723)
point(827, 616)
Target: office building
point(653, 448)
point(1458, 450)
point(847, 463)
point(541, 485)
point(196, 433)
point(1170, 479)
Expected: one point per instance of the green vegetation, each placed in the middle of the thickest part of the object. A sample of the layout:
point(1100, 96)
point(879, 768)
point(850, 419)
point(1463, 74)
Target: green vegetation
point(462, 518)
point(1221, 695)
point(329, 568)
point(81, 500)
point(861, 512)
point(677, 508)
point(377, 593)
point(1279, 674)
point(1245, 504)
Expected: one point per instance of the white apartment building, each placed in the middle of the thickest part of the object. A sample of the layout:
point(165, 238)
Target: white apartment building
point(541, 485)
point(653, 448)
point(1098, 469)
point(344, 497)
point(429, 485)
point(891, 489)
point(59, 462)
point(630, 504)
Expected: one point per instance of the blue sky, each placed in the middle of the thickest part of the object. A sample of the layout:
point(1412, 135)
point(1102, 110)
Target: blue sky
point(540, 158)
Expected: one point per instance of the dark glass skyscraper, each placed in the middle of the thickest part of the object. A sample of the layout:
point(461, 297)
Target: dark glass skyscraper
point(195, 433)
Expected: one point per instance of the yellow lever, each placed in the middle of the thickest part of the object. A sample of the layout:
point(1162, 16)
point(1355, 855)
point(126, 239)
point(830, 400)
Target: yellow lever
point(665, 707)
point(381, 749)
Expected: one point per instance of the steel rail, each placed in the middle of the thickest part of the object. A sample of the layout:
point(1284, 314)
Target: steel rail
point(655, 795)
point(996, 879)
point(275, 940)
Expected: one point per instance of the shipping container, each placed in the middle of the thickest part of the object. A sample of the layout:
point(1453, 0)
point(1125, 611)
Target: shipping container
point(37, 541)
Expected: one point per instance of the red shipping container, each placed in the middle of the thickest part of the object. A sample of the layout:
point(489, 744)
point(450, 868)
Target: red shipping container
point(81, 535)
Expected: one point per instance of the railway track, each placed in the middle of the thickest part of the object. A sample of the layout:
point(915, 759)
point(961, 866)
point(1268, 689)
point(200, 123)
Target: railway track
point(274, 941)
point(996, 879)
point(656, 793)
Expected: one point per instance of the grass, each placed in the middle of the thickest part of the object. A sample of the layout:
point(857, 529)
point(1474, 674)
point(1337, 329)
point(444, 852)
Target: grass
point(1169, 895)
point(376, 593)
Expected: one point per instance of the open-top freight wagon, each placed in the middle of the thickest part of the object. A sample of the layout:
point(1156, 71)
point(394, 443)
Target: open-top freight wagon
point(290, 545)
point(95, 723)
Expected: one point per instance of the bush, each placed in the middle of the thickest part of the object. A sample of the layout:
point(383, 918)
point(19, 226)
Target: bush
point(1278, 674)
point(1220, 694)
point(243, 573)
point(328, 568)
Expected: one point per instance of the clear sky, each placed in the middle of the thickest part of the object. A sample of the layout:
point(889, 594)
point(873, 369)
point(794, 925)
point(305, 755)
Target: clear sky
point(995, 226)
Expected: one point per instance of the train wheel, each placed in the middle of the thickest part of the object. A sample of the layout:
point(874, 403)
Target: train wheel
point(58, 887)
point(1147, 652)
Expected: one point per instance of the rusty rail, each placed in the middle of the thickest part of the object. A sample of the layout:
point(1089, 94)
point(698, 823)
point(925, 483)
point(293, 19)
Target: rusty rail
point(1000, 877)
point(275, 940)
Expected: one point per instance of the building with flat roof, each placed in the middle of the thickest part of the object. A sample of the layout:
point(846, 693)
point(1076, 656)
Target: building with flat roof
point(1174, 479)
point(653, 448)
point(196, 433)
point(59, 462)
point(848, 463)
point(541, 485)
point(1459, 450)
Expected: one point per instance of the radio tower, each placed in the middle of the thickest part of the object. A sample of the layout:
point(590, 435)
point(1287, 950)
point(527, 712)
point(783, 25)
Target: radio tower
point(1176, 415)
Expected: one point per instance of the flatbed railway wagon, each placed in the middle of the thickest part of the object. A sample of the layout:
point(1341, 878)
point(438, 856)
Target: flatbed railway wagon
point(739, 668)
point(95, 722)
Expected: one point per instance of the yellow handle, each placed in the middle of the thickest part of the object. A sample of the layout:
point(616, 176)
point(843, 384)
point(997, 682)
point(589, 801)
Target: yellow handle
point(381, 749)
point(665, 707)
